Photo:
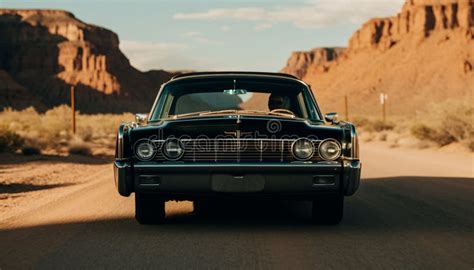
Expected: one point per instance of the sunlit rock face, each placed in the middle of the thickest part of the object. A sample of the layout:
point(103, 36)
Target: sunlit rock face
point(417, 17)
point(47, 51)
point(316, 60)
point(422, 55)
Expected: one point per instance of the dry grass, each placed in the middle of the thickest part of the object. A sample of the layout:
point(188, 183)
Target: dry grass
point(446, 123)
point(442, 124)
point(82, 149)
point(9, 141)
point(52, 130)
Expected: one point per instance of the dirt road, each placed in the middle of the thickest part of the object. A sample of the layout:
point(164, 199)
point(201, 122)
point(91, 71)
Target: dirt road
point(413, 211)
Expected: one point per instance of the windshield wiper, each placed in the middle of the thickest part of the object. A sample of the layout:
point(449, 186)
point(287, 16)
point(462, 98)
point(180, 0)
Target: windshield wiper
point(218, 112)
point(247, 111)
point(204, 113)
point(270, 113)
point(189, 114)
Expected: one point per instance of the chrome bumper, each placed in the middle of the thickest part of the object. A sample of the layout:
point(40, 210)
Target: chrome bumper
point(261, 178)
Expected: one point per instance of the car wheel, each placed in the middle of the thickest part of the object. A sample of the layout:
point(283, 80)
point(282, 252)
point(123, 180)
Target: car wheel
point(328, 210)
point(149, 208)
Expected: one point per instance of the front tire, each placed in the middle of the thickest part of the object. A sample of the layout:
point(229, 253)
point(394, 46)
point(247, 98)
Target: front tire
point(149, 209)
point(328, 209)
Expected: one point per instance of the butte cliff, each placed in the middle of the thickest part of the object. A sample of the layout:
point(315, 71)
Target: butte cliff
point(44, 52)
point(424, 54)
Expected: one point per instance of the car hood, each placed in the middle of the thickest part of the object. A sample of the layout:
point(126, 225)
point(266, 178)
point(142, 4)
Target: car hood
point(237, 126)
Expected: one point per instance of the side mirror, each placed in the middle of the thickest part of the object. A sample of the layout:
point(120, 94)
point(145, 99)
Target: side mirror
point(141, 118)
point(331, 117)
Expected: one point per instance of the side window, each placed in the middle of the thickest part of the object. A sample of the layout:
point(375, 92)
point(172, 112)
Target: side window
point(167, 106)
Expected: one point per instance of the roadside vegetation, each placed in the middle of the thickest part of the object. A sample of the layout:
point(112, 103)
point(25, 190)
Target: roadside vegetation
point(29, 132)
point(442, 125)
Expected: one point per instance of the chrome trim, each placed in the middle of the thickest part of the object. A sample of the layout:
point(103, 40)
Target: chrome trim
point(233, 165)
point(278, 150)
point(319, 185)
point(242, 139)
point(120, 132)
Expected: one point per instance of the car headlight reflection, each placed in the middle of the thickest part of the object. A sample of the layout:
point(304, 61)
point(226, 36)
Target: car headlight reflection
point(145, 150)
point(303, 149)
point(173, 149)
point(330, 149)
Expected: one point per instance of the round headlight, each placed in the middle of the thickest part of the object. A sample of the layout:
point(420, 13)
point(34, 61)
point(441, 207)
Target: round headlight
point(330, 149)
point(145, 150)
point(173, 149)
point(303, 149)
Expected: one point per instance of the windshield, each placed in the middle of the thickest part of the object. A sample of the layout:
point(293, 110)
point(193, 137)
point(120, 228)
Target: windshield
point(193, 98)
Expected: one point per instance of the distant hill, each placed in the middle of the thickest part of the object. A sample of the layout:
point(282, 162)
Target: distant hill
point(422, 55)
point(44, 52)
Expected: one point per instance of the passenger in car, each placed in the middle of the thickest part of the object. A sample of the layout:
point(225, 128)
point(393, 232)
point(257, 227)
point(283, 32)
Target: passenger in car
point(276, 101)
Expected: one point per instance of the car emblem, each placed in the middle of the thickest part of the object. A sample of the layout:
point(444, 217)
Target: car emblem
point(238, 134)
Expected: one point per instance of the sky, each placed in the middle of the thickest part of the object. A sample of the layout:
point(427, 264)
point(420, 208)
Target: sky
point(256, 35)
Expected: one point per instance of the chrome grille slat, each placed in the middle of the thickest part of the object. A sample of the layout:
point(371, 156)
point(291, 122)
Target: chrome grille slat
point(237, 150)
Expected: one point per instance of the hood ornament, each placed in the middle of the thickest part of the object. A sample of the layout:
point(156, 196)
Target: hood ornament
point(237, 134)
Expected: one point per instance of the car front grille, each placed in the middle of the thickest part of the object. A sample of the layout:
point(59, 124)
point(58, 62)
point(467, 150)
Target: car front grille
point(237, 150)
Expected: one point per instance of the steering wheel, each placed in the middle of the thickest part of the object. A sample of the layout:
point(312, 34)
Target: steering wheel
point(285, 111)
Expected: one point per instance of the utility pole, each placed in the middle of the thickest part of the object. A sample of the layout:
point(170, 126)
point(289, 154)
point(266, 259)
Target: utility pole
point(73, 109)
point(383, 101)
point(346, 108)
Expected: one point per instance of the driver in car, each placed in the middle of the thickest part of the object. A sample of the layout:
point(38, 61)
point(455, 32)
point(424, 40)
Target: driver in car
point(276, 101)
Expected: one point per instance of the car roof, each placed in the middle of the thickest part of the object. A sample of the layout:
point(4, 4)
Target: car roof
point(232, 73)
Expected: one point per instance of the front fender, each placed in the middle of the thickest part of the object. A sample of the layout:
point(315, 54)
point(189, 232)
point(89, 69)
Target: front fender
point(123, 171)
point(123, 176)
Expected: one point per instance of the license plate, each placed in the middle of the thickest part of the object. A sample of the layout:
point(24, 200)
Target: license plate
point(238, 183)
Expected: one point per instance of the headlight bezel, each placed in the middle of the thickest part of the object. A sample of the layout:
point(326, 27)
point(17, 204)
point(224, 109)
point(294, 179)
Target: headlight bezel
point(299, 158)
point(326, 141)
point(167, 154)
point(149, 146)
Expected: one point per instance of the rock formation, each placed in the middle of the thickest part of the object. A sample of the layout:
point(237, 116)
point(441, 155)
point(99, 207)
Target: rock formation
point(424, 54)
point(418, 17)
point(316, 60)
point(44, 52)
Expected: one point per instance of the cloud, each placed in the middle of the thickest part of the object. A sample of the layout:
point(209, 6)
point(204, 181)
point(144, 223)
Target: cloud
point(155, 55)
point(191, 34)
point(251, 13)
point(200, 38)
point(263, 26)
point(312, 14)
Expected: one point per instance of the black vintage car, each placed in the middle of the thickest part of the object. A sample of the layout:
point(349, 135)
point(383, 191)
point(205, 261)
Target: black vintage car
point(225, 134)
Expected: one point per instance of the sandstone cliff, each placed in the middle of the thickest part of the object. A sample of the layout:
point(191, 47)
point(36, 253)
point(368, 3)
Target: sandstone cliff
point(44, 52)
point(316, 60)
point(424, 54)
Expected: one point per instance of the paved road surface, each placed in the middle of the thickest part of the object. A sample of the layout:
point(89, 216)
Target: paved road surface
point(398, 220)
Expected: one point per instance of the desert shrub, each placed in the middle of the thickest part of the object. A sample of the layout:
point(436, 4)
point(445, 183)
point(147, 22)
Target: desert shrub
point(423, 132)
point(447, 122)
point(379, 125)
point(30, 150)
point(53, 129)
point(359, 121)
point(10, 141)
point(470, 145)
point(82, 149)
